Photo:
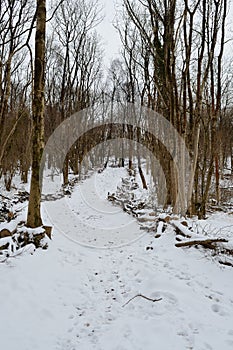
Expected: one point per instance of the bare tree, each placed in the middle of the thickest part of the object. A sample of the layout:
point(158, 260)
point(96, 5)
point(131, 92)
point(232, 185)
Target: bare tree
point(74, 64)
point(34, 215)
point(182, 75)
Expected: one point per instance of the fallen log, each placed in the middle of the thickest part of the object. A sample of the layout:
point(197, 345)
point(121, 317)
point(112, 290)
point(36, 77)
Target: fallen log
point(226, 263)
point(181, 229)
point(206, 243)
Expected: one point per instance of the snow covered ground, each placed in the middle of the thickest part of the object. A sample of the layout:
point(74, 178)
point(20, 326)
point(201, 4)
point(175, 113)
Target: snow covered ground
point(77, 294)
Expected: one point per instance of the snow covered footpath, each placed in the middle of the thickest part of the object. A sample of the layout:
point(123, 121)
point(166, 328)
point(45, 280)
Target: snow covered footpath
point(73, 296)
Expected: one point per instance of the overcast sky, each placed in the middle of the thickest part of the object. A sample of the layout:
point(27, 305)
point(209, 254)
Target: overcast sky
point(111, 39)
point(108, 32)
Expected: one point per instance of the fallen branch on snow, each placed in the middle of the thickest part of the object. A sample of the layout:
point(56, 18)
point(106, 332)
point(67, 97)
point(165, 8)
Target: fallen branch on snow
point(206, 243)
point(181, 229)
point(142, 296)
point(226, 263)
point(30, 248)
point(4, 197)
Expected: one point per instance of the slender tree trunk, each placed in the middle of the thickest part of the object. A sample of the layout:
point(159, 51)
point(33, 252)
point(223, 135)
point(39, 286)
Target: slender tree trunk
point(217, 176)
point(65, 171)
point(231, 158)
point(144, 185)
point(192, 181)
point(34, 215)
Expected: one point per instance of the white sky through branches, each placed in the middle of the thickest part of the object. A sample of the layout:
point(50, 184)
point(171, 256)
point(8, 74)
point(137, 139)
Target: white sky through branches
point(111, 40)
point(108, 33)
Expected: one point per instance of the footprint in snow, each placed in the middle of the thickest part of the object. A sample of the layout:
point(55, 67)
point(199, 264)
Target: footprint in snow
point(218, 309)
point(208, 346)
point(183, 276)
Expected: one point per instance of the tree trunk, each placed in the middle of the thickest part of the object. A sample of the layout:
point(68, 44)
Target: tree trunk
point(231, 159)
point(65, 171)
point(217, 176)
point(34, 215)
point(144, 185)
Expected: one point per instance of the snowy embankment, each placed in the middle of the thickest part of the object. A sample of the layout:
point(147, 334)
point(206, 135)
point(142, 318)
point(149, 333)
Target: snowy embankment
point(77, 294)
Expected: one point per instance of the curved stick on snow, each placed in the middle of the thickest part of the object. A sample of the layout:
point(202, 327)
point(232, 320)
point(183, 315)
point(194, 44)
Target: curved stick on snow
point(142, 296)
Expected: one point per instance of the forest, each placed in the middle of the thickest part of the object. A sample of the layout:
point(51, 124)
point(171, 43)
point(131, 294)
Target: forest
point(166, 65)
point(150, 137)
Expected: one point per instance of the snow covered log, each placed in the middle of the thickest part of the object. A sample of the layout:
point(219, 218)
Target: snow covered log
point(206, 243)
point(181, 229)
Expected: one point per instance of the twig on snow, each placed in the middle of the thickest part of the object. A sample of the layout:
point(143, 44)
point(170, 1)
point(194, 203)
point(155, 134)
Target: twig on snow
point(5, 197)
point(142, 296)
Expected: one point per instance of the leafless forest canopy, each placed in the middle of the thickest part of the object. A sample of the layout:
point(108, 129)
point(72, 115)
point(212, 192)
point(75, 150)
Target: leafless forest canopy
point(173, 61)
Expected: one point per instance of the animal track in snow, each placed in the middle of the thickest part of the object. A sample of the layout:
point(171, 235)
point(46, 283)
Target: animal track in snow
point(218, 309)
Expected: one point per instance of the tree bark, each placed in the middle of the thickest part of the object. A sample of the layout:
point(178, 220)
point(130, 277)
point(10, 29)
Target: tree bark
point(34, 215)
